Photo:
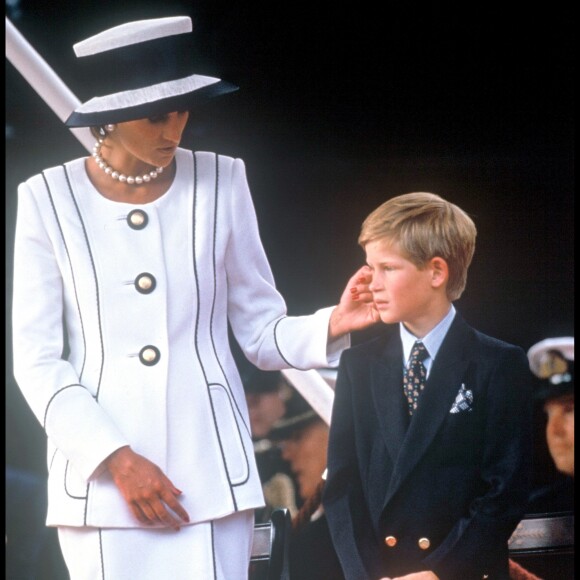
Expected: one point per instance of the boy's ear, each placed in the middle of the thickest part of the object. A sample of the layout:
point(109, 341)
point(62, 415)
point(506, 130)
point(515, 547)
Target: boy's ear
point(439, 272)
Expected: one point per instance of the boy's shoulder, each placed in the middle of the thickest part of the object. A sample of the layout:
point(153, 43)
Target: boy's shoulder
point(375, 344)
point(461, 336)
point(477, 346)
point(492, 344)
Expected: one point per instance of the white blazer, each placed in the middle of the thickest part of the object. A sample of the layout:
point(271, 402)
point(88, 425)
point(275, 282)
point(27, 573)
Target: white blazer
point(120, 326)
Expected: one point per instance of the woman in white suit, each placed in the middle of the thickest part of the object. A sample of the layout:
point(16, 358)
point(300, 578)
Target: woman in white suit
point(128, 267)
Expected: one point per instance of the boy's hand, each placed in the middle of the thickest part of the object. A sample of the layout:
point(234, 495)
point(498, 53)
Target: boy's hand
point(356, 309)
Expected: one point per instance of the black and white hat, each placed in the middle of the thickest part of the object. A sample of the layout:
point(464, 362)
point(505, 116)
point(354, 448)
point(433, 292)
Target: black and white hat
point(146, 66)
point(552, 362)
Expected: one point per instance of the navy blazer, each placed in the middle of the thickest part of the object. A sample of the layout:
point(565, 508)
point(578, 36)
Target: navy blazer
point(440, 491)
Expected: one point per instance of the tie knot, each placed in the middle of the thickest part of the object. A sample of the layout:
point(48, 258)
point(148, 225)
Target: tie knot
point(419, 352)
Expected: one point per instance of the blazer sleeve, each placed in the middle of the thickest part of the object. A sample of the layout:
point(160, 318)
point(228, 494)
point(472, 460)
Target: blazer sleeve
point(68, 412)
point(257, 312)
point(344, 503)
point(506, 469)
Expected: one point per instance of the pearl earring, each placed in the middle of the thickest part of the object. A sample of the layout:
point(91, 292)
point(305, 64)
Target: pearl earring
point(110, 128)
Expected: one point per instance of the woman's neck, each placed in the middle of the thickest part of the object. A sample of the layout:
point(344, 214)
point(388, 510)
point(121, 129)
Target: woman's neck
point(124, 192)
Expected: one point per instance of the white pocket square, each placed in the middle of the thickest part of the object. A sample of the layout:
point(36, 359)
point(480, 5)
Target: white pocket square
point(463, 400)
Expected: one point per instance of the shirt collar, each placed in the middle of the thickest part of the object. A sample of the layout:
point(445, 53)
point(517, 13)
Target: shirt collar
point(432, 340)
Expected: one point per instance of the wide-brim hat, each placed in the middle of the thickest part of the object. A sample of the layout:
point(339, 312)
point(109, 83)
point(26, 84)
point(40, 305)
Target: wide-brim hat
point(552, 362)
point(259, 382)
point(146, 70)
point(299, 413)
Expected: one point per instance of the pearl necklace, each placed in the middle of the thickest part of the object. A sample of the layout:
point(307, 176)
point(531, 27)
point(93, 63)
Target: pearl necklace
point(116, 175)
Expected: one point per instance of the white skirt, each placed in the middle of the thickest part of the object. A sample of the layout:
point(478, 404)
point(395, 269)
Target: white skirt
point(216, 550)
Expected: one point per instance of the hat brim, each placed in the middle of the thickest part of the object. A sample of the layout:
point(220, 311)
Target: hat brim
point(285, 427)
point(180, 102)
point(546, 390)
point(562, 344)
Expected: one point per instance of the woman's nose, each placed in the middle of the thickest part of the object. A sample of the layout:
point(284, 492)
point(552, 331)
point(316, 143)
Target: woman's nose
point(175, 126)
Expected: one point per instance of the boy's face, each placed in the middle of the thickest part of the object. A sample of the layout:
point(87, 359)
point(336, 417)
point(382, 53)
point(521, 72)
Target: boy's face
point(560, 431)
point(401, 291)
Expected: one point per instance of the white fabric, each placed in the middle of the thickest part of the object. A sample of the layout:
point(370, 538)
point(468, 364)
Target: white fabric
point(133, 33)
point(44, 80)
point(76, 259)
point(195, 552)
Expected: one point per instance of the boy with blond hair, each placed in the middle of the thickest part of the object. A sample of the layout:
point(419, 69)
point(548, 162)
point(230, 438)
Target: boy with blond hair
point(431, 431)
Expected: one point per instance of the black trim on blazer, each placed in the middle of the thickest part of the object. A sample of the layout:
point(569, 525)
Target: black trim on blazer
point(72, 273)
point(52, 398)
point(101, 553)
point(213, 550)
point(248, 430)
point(280, 351)
point(96, 284)
point(227, 385)
point(228, 389)
point(230, 398)
point(81, 497)
point(195, 277)
point(96, 395)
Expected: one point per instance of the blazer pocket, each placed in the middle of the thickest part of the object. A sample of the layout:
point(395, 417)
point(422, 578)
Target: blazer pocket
point(229, 435)
point(463, 401)
point(75, 486)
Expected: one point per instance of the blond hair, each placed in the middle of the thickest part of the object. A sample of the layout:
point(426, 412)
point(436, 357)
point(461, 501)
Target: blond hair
point(425, 226)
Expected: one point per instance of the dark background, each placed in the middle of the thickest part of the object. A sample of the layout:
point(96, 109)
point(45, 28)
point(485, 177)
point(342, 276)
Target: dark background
point(340, 108)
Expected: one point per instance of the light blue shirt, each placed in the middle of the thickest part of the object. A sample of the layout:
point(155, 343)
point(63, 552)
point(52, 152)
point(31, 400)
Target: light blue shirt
point(432, 340)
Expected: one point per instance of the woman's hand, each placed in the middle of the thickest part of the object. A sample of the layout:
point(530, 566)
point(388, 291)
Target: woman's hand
point(356, 309)
point(146, 489)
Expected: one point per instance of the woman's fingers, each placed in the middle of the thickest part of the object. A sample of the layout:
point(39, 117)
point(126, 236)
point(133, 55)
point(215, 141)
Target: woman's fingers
point(163, 516)
point(171, 501)
point(359, 287)
point(154, 510)
point(150, 494)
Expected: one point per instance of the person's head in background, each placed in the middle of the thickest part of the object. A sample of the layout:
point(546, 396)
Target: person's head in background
point(552, 362)
point(303, 439)
point(266, 396)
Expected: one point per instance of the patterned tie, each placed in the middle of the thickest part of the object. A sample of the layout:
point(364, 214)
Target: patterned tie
point(415, 375)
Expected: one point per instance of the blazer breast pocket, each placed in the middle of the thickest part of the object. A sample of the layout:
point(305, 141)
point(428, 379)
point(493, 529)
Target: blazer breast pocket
point(463, 401)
